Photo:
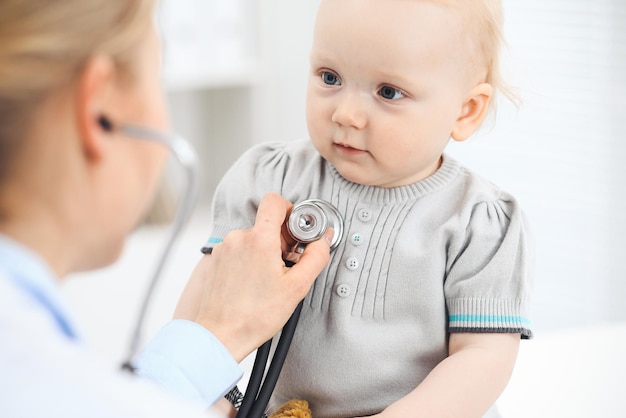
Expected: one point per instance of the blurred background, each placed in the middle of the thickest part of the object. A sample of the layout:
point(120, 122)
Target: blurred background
point(235, 74)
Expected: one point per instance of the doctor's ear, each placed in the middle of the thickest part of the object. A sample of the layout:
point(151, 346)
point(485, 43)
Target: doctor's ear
point(95, 97)
point(473, 111)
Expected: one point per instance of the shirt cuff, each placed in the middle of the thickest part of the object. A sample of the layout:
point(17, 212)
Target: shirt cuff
point(488, 315)
point(188, 360)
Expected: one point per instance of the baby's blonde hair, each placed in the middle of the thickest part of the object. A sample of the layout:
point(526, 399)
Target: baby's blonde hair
point(44, 45)
point(483, 21)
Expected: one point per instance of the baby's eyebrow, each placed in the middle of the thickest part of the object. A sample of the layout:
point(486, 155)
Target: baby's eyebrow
point(322, 56)
point(397, 79)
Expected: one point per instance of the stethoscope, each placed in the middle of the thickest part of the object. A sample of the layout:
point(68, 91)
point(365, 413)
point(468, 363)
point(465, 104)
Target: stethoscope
point(307, 222)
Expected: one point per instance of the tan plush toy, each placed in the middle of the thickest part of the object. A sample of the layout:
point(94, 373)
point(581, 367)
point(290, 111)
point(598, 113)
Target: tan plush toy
point(295, 408)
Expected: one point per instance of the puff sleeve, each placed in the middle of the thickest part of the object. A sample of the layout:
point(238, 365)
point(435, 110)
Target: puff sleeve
point(258, 171)
point(489, 273)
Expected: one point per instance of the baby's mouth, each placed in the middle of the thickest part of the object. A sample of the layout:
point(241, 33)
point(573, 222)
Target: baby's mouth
point(348, 148)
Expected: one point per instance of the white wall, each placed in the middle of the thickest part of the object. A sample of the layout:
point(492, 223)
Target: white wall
point(286, 38)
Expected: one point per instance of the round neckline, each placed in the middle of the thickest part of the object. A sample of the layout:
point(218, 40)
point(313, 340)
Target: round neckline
point(448, 171)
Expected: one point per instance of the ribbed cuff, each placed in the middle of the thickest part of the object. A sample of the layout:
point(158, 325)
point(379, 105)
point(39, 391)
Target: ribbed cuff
point(488, 315)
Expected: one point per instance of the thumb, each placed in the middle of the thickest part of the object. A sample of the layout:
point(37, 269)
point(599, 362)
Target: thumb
point(314, 258)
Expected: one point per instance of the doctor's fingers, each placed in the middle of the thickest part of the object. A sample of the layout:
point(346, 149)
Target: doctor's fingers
point(271, 215)
point(265, 239)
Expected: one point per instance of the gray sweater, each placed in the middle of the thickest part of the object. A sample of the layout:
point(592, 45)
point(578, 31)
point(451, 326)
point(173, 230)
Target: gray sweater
point(450, 253)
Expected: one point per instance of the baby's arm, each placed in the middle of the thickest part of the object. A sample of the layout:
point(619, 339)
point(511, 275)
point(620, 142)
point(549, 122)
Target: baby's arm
point(466, 383)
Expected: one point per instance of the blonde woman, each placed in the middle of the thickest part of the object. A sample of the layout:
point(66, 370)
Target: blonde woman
point(72, 187)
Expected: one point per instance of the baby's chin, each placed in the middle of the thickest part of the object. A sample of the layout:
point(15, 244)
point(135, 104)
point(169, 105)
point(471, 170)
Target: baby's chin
point(354, 173)
point(358, 177)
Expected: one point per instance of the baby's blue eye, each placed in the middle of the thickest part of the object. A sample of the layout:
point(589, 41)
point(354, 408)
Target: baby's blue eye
point(330, 78)
point(389, 93)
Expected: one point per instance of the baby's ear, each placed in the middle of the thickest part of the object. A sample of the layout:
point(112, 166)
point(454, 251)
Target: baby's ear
point(473, 111)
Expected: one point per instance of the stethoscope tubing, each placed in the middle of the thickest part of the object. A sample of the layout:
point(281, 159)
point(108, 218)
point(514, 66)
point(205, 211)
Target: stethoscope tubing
point(255, 400)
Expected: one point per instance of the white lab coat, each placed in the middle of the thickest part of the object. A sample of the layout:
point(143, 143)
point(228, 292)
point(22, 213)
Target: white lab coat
point(47, 370)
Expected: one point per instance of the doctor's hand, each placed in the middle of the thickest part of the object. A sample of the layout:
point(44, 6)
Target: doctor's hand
point(243, 292)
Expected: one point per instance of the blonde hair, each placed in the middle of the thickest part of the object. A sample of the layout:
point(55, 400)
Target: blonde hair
point(44, 45)
point(484, 21)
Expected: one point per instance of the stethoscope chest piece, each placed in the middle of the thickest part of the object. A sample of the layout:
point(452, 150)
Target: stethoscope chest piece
point(308, 221)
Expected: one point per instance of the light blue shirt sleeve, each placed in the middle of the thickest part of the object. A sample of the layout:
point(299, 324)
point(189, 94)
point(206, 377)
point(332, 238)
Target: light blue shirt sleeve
point(188, 360)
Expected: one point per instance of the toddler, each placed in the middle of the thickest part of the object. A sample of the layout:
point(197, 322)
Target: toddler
point(422, 307)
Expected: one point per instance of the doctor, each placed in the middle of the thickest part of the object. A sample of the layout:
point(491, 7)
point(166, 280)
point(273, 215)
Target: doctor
point(72, 189)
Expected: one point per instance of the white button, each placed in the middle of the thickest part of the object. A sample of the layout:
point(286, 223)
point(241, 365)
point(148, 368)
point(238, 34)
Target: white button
point(356, 239)
point(352, 263)
point(365, 215)
point(343, 290)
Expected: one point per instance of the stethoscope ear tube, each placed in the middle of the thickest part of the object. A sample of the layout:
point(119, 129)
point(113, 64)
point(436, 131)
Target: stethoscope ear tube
point(184, 153)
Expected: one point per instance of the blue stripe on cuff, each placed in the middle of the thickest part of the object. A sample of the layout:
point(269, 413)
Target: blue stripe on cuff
point(490, 318)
